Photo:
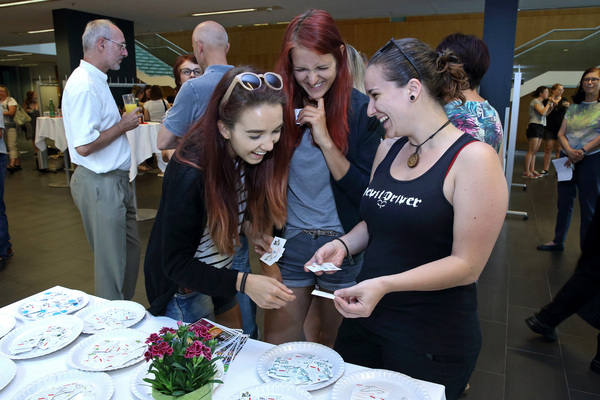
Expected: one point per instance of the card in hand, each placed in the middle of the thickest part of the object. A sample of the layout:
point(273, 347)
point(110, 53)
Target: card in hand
point(325, 267)
point(320, 293)
point(275, 255)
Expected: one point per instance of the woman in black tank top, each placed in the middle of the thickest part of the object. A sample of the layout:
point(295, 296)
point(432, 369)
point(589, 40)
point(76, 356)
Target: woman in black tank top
point(432, 213)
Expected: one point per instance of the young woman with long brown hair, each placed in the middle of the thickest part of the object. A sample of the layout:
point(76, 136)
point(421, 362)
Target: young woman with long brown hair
point(229, 169)
point(333, 143)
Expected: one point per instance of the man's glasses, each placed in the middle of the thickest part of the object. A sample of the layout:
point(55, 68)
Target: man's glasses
point(123, 45)
point(188, 72)
point(391, 43)
point(252, 81)
point(590, 79)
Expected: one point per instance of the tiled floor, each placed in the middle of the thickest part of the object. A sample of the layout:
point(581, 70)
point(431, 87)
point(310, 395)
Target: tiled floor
point(51, 249)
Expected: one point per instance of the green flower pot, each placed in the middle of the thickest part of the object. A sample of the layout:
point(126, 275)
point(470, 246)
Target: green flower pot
point(204, 393)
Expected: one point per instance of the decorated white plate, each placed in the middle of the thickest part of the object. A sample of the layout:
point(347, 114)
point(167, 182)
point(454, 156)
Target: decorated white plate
point(52, 302)
point(109, 350)
point(7, 323)
point(283, 391)
point(143, 390)
point(41, 337)
point(389, 384)
point(108, 315)
point(9, 370)
point(69, 384)
point(290, 349)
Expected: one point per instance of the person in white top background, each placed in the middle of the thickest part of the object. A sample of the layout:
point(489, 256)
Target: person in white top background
point(5, 246)
point(97, 143)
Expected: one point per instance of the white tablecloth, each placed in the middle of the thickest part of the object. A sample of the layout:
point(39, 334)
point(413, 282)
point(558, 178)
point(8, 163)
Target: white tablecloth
point(142, 141)
point(50, 128)
point(242, 372)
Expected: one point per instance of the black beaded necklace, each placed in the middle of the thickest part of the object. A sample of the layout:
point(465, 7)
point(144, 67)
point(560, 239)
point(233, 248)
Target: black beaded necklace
point(413, 160)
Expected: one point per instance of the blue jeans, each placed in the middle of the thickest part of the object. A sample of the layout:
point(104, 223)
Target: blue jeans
point(4, 236)
point(241, 262)
point(190, 307)
point(586, 180)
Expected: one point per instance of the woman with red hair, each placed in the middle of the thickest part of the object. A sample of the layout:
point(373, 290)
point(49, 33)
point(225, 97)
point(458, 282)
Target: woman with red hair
point(333, 144)
point(230, 169)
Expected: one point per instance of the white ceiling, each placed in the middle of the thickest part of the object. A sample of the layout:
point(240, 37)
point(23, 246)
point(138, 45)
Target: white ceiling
point(151, 16)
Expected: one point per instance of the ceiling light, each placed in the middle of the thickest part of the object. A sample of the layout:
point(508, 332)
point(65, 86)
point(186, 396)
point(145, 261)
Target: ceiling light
point(242, 10)
point(18, 54)
point(21, 3)
point(11, 59)
point(41, 31)
point(263, 24)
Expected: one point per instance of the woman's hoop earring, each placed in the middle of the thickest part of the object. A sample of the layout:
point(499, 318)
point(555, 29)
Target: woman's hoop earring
point(412, 98)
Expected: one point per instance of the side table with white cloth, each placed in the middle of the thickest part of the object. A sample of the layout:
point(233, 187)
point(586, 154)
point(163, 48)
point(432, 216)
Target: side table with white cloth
point(51, 128)
point(143, 143)
point(241, 375)
point(142, 140)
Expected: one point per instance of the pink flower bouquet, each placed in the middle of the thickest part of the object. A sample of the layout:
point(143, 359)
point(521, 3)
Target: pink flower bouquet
point(181, 359)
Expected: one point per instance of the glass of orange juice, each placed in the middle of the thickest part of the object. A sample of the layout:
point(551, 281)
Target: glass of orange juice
point(129, 101)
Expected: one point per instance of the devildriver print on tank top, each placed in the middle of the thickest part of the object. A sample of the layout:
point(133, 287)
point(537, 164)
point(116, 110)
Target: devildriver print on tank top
point(411, 223)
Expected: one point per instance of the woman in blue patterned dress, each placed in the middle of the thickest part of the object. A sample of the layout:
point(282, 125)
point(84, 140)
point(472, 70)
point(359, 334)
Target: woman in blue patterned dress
point(476, 116)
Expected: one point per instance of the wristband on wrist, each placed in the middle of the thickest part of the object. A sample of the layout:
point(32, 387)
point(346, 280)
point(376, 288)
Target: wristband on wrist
point(243, 283)
point(350, 259)
point(584, 150)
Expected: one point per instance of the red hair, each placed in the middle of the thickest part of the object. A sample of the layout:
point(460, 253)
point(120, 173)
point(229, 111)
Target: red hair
point(316, 30)
point(205, 148)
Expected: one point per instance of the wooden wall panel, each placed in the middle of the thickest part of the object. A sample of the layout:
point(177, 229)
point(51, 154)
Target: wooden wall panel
point(260, 46)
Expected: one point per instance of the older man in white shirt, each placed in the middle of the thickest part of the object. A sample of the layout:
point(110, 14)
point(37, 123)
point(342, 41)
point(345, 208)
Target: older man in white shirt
point(98, 145)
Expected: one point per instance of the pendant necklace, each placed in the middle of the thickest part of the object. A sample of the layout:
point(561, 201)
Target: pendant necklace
point(413, 160)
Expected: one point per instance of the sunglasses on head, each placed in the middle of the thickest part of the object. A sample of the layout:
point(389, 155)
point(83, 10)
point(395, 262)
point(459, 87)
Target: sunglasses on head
point(252, 81)
point(391, 43)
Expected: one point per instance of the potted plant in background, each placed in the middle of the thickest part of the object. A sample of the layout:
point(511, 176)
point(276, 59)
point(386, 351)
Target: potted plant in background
point(182, 363)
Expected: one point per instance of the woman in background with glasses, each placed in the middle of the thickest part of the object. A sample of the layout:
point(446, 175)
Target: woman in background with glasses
point(333, 143)
point(579, 137)
point(185, 68)
point(430, 223)
point(230, 168)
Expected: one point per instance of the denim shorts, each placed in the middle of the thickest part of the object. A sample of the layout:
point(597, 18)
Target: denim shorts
point(299, 249)
point(191, 307)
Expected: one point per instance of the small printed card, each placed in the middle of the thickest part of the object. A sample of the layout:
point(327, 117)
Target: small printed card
point(45, 339)
point(113, 353)
point(320, 293)
point(369, 392)
point(325, 267)
point(275, 255)
point(49, 304)
point(301, 369)
point(68, 391)
point(112, 318)
point(297, 111)
point(246, 395)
